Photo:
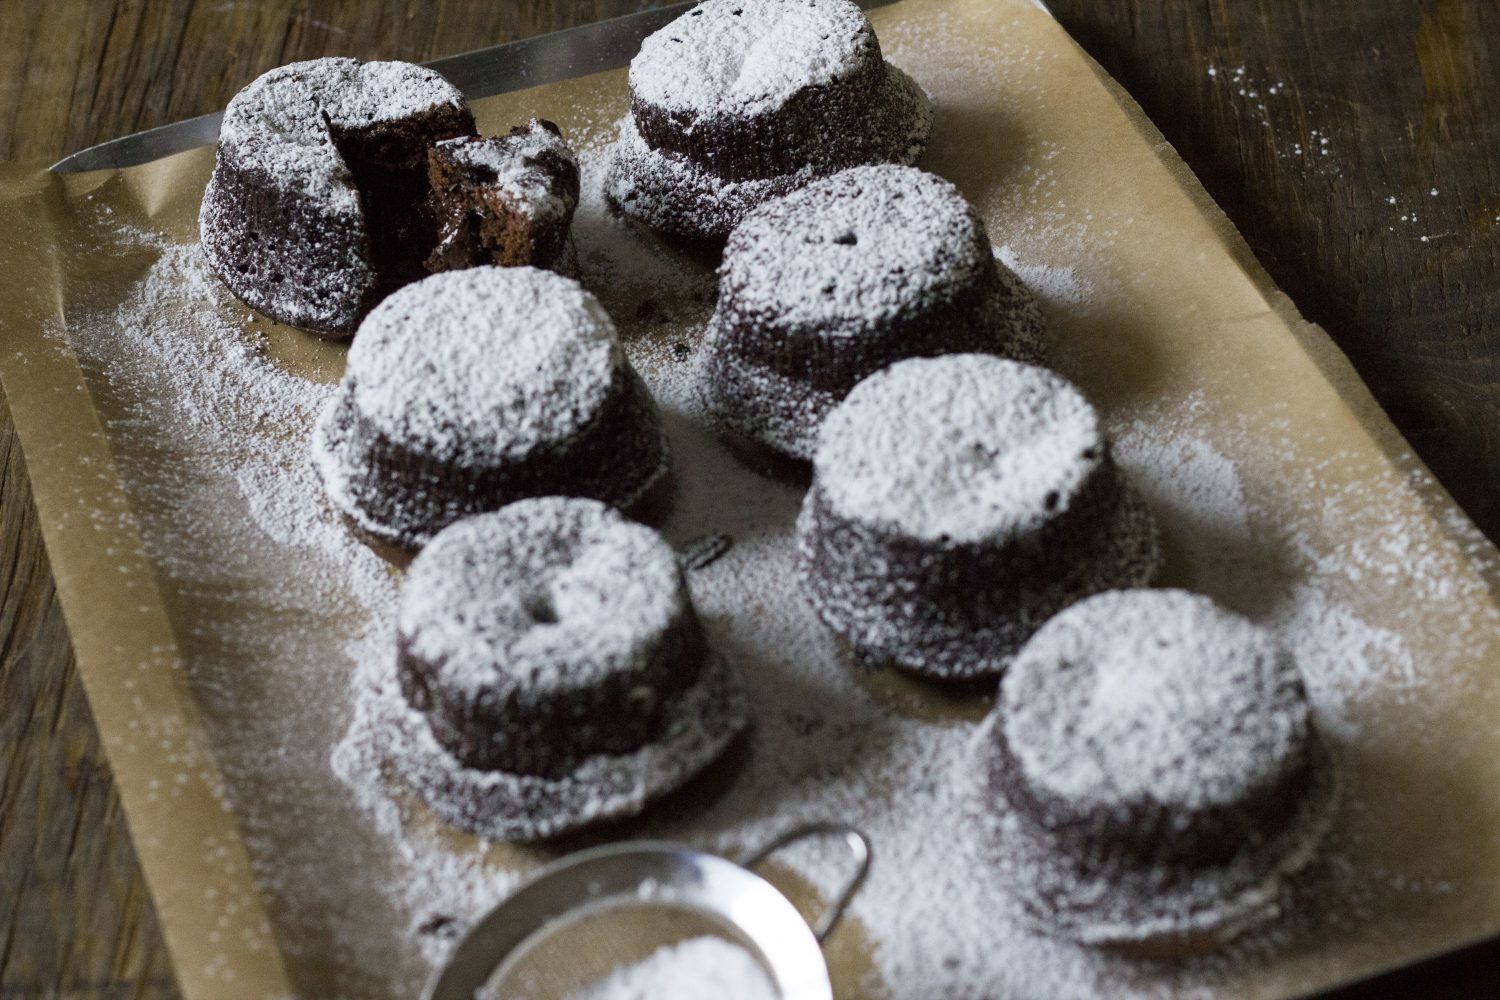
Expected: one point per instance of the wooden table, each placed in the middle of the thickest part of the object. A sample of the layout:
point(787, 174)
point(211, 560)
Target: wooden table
point(1356, 144)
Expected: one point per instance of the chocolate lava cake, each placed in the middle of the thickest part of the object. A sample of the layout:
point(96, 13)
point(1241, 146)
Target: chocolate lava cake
point(317, 206)
point(557, 671)
point(845, 276)
point(739, 101)
point(471, 389)
point(958, 503)
point(506, 200)
point(1150, 775)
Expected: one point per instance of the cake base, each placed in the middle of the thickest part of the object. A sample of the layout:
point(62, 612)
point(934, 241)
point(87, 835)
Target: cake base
point(1147, 911)
point(334, 456)
point(784, 413)
point(700, 724)
point(1123, 553)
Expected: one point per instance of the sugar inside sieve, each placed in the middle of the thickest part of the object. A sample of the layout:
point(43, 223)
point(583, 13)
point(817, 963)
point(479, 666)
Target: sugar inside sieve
point(580, 916)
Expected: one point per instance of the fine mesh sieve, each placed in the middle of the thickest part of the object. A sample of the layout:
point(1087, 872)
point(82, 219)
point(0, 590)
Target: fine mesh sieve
point(588, 912)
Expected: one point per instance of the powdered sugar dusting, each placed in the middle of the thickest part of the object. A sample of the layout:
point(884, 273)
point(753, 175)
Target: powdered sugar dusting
point(1131, 694)
point(543, 591)
point(1059, 285)
point(283, 122)
point(749, 56)
point(483, 363)
point(822, 746)
point(961, 447)
point(853, 249)
point(276, 601)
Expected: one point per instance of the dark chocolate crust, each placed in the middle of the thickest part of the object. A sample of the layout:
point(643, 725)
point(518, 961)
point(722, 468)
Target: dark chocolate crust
point(300, 257)
point(288, 258)
point(974, 320)
point(549, 733)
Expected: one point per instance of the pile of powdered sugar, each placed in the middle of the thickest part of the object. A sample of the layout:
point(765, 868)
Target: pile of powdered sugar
point(1053, 283)
point(710, 968)
point(728, 56)
point(285, 622)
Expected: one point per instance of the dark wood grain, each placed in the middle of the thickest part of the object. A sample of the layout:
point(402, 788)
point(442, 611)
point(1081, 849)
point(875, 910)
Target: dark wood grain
point(73, 73)
point(1356, 144)
point(73, 907)
point(1322, 127)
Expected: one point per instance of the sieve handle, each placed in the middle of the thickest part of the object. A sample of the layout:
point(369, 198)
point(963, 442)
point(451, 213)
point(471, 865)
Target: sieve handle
point(859, 847)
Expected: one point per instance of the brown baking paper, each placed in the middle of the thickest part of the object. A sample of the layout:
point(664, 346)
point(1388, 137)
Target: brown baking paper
point(266, 871)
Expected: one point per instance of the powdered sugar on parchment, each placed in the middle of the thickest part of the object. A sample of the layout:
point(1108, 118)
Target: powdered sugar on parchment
point(274, 602)
point(283, 619)
point(328, 839)
point(1059, 285)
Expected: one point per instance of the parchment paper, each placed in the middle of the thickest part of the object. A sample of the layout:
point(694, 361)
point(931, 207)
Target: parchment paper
point(265, 869)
